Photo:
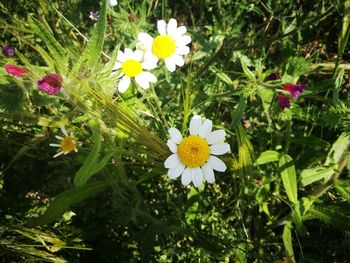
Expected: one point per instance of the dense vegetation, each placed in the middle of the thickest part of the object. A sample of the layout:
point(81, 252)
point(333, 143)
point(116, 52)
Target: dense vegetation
point(272, 74)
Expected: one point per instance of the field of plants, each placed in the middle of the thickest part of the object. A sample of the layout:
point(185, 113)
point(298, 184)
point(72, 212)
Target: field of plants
point(174, 131)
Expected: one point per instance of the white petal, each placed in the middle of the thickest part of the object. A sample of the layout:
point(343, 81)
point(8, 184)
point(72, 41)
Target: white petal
point(175, 135)
point(59, 137)
point(182, 50)
point(206, 128)
point(128, 53)
point(195, 124)
point(180, 31)
point(113, 2)
point(186, 176)
point(123, 84)
point(149, 64)
point(121, 56)
point(215, 136)
point(55, 145)
point(149, 57)
point(172, 25)
point(170, 64)
point(173, 173)
point(138, 54)
point(197, 176)
point(219, 148)
point(183, 41)
point(58, 154)
point(172, 146)
point(179, 61)
point(144, 78)
point(208, 173)
point(172, 161)
point(63, 129)
point(161, 25)
point(217, 164)
point(117, 65)
point(145, 39)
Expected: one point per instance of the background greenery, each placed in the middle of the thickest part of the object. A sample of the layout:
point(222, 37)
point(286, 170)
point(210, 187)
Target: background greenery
point(286, 194)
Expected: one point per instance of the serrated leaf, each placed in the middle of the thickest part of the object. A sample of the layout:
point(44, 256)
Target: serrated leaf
point(55, 48)
point(343, 188)
point(65, 200)
point(267, 157)
point(289, 178)
point(330, 215)
point(93, 48)
point(308, 176)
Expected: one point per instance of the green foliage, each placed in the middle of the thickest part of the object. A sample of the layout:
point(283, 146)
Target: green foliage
point(92, 164)
point(65, 200)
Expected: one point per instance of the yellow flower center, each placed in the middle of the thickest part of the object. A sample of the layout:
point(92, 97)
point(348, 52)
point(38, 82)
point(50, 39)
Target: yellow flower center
point(193, 151)
point(131, 68)
point(68, 144)
point(163, 46)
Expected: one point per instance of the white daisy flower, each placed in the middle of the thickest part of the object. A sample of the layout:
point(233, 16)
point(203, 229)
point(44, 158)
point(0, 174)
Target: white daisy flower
point(132, 65)
point(67, 144)
point(194, 156)
point(170, 45)
point(113, 2)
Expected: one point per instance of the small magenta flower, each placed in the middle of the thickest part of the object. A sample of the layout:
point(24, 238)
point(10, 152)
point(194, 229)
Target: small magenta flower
point(14, 70)
point(8, 50)
point(50, 84)
point(283, 101)
point(294, 89)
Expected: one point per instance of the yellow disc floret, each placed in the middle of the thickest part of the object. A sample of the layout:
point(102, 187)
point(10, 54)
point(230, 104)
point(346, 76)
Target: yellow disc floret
point(68, 144)
point(193, 151)
point(131, 68)
point(163, 46)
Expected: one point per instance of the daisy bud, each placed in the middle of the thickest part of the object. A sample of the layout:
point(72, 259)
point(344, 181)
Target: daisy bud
point(50, 84)
point(14, 70)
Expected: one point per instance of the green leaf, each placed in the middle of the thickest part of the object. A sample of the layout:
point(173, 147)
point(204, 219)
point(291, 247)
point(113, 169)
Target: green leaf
point(247, 72)
point(237, 115)
point(331, 215)
point(343, 188)
point(338, 149)
point(289, 178)
point(55, 48)
point(65, 200)
point(308, 176)
point(93, 48)
point(287, 241)
point(266, 95)
point(267, 157)
point(91, 165)
point(221, 75)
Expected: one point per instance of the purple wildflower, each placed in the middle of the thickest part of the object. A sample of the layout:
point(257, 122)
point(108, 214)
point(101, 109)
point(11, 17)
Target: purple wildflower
point(294, 89)
point(283, 101)
point(8, 50)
